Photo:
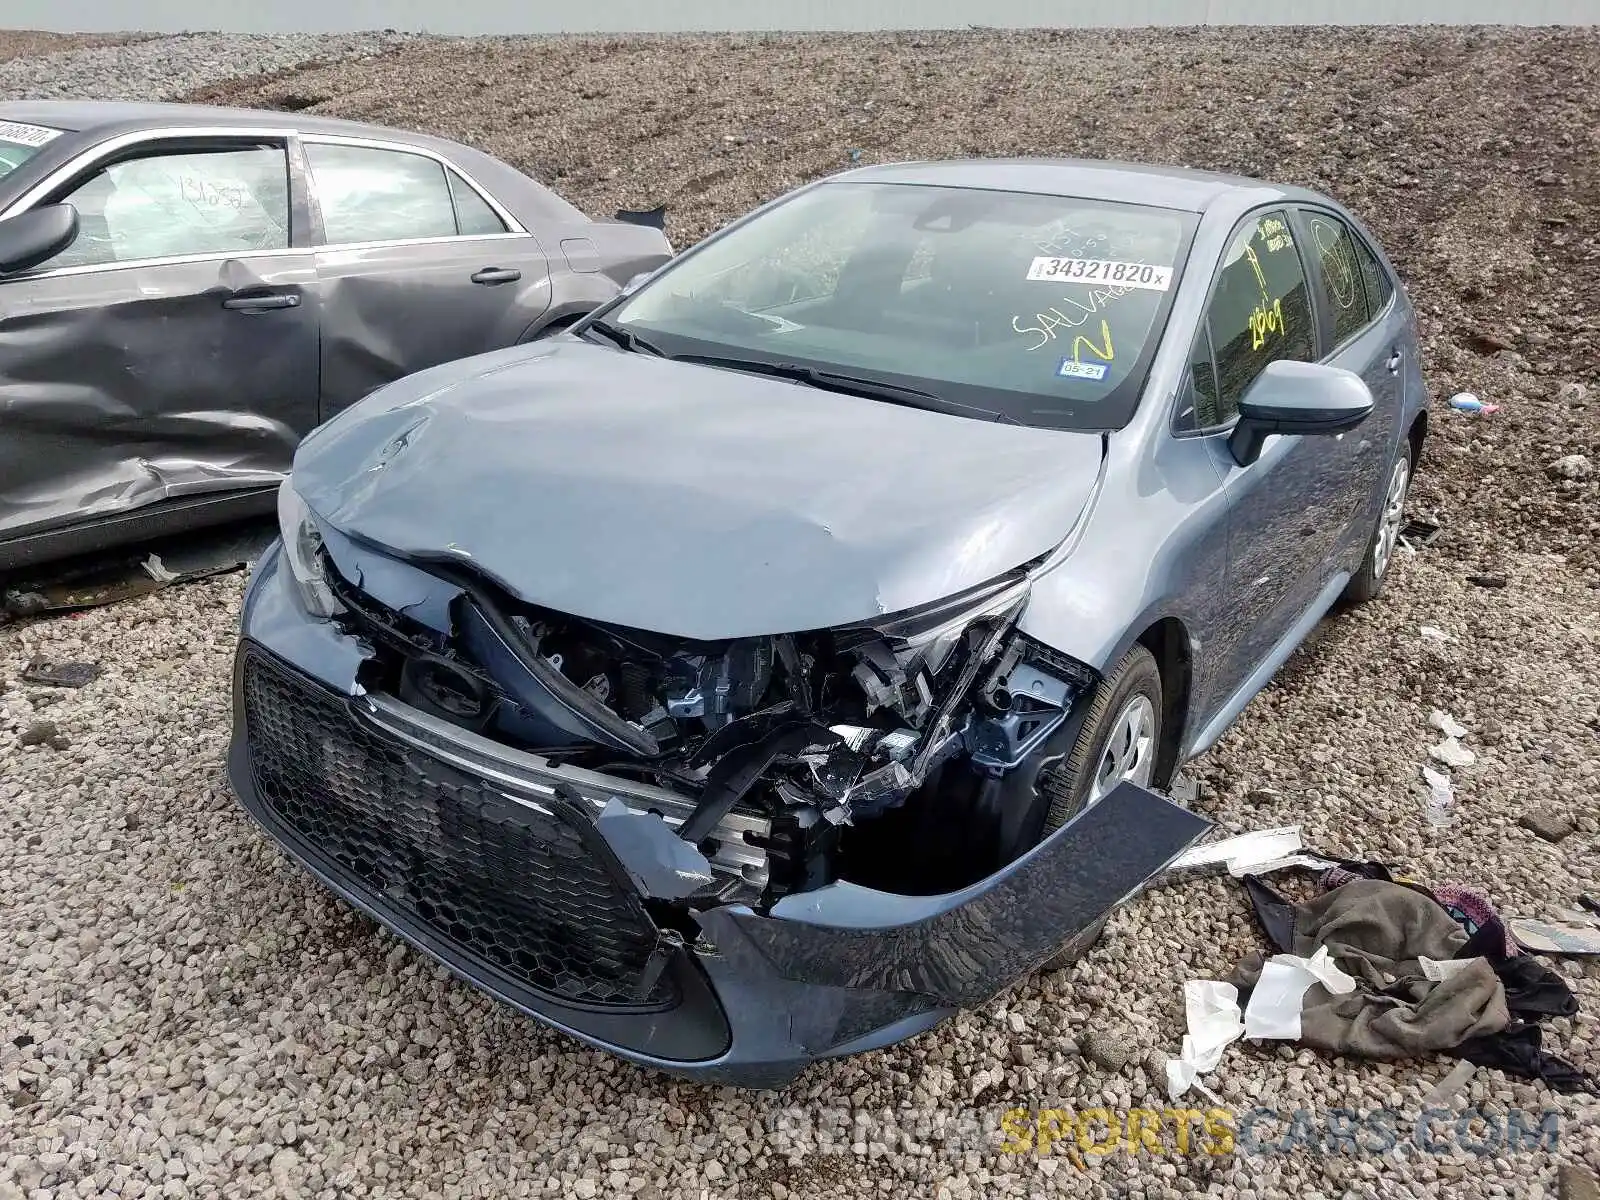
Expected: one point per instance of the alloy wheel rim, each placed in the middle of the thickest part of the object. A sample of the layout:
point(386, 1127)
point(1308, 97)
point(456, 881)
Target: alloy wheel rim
point(1394, 506)
point(1130, 751)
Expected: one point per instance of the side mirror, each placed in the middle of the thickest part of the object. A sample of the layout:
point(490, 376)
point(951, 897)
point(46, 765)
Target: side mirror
point(33, 237)
point(1297, 397)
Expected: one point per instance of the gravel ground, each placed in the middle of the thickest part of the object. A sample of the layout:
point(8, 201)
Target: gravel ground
point(42, 66)
point(25, 43)
point(193, 1017)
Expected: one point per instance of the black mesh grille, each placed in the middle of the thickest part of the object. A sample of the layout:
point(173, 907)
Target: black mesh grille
point(515, 886)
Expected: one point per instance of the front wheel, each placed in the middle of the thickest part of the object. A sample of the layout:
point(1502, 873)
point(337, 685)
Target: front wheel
point(1119, 742)
point(1367, 582)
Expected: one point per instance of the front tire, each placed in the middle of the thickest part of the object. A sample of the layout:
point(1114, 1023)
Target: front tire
point(1120, 740)
point(1367, 582)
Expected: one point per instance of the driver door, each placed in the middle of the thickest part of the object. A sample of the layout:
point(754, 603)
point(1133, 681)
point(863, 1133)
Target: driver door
point(1283, 509)
point(170, 351)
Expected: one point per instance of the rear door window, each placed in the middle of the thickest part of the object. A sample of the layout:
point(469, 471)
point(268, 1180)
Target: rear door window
point(1339, 276)
point(1375, 277)
point(474, 217)
point(373, 195)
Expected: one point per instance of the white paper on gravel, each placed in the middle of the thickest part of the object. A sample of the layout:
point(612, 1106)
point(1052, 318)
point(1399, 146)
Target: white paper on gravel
point(1212, 1010)
point(1274, 1009)
point(1439, 970)
point(1259, 852)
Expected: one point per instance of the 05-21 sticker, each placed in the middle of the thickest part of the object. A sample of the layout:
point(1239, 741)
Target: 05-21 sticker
point(1100, 270)
point(1071, 368)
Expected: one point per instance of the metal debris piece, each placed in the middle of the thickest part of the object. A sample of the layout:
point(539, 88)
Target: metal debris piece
point(70, 674)
point(1419, 533)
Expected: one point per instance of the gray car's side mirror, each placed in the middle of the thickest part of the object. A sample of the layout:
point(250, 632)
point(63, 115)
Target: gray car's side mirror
point(33, 237)
point(1297, 397)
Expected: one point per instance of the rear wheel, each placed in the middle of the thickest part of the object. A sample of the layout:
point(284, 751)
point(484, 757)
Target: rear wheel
point(1366, 583)
point(1119, 742)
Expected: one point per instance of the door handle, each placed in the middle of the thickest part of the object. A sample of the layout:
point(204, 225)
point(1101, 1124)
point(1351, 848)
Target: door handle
point(261, 303)
point(493, 275)
point(1395, 359)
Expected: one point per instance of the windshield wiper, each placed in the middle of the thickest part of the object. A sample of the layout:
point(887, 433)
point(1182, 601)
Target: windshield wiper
point(626, 338)
point(850, 385)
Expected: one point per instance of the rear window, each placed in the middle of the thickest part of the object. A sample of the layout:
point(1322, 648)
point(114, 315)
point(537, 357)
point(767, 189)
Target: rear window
point(1044, 308)
point(19, 142)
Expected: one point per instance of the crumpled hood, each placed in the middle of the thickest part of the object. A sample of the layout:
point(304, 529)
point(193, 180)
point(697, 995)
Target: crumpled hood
point(685, 499)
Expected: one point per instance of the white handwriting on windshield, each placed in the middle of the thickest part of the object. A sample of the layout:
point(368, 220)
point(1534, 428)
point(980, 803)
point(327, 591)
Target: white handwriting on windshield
point(1053, 319)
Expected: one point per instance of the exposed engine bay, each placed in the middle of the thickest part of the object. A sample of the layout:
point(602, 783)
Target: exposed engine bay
point(911, 754)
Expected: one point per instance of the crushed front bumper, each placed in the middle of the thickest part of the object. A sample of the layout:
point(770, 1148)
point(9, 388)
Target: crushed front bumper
point(497, 866)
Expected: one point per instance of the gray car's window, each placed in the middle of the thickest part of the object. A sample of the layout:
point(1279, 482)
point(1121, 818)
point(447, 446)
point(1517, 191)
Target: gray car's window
point(187, 202)
point(1044, 308)
point(1344, 293)
point(1378, 285)
point(1260, 311)
point(372, 195)
point(474, 217)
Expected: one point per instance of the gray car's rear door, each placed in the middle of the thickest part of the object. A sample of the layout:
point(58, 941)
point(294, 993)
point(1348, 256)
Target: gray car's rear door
point(417, 265)
point(1366, 334)
point(171, 350)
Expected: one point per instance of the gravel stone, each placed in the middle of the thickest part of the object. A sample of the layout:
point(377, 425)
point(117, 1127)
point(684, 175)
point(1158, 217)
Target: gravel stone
point(1107, 1050)
point(1575, 1183)
point(226, 1008)
point(1550, 824)
point(1570, 466)
point(38, 733)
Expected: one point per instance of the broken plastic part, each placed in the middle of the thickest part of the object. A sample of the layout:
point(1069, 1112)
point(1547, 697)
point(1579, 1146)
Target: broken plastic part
point(661, 864)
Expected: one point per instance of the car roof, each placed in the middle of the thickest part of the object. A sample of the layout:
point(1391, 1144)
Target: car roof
point(104, 116)
point(1083, 178)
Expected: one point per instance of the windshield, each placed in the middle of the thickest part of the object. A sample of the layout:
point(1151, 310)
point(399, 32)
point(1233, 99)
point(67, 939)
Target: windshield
point(1044, 309)
point(19, 143)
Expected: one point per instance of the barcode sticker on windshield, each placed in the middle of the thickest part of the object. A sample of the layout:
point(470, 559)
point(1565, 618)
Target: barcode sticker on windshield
point(26, 135)
point(1102, 271)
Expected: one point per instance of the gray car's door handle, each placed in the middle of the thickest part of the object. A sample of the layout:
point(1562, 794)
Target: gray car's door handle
point(261, 302)
point(1394, 361)
point(494, 275)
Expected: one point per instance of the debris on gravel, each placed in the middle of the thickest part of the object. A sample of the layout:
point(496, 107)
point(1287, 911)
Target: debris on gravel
point(198, 1006)
point(1550, 824)
point(1570, 466)
point(40, 733)
point(166, 68)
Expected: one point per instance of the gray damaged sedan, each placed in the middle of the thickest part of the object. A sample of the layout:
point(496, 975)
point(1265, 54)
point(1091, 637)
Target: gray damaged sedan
point(792, 654)
point(186, 291)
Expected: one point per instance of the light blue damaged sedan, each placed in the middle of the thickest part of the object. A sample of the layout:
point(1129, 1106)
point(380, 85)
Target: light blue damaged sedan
point(798, 649)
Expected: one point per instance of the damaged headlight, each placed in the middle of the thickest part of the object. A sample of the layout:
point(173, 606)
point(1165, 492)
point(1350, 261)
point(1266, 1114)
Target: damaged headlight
point(301, 543)
point(899, 657)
